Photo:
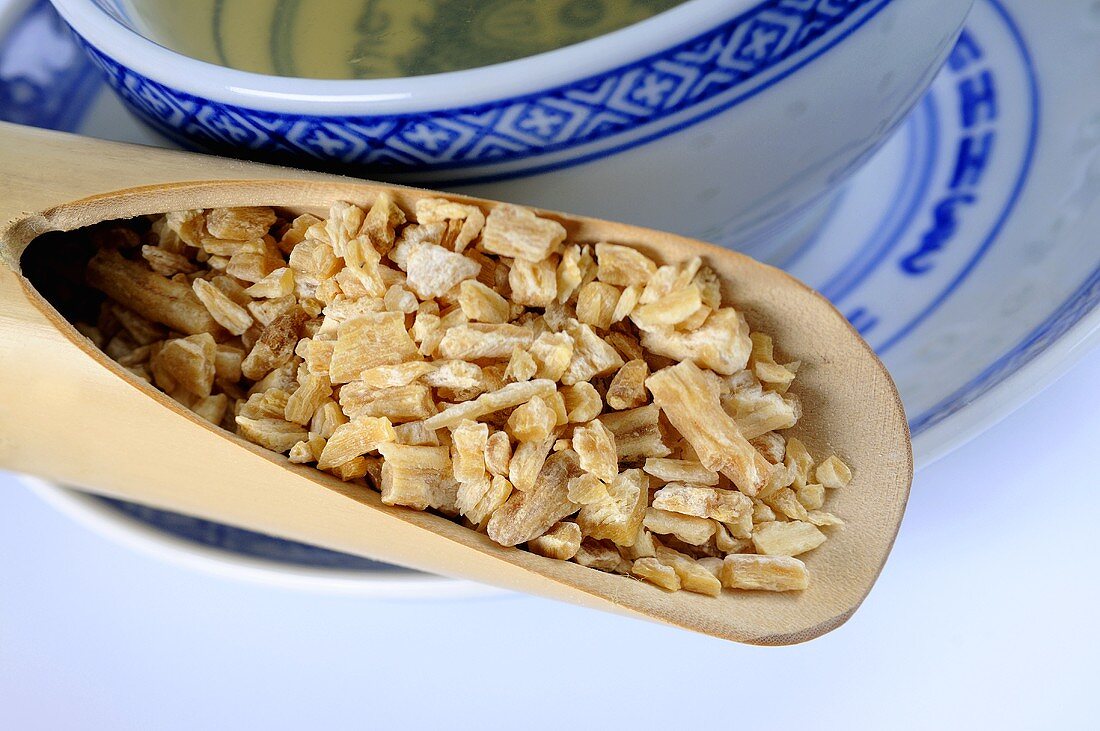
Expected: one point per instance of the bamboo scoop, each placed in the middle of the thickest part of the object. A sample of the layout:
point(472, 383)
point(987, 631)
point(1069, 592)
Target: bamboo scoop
point(71, 414)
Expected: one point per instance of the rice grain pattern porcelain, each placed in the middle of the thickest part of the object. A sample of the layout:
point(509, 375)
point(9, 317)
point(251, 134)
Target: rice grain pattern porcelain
point(756, 111)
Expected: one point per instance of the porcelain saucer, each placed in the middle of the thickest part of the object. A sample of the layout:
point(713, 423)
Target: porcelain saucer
point(965, 251)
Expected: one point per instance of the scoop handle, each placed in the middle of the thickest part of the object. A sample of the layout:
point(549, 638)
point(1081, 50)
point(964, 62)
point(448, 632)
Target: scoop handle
point(43, 169)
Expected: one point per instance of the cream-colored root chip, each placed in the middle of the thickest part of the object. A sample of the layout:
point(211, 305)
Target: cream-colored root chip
point(186, 363)
point(455, 374)
point(498, 453)
point(165, 262)
point(758, 411)
point(833, 473)
point(481, 304)
point(414, 433)
point(521, 366)
point(656, 573)
point(381, 221)
point(511, 395)
point(355, 439)
point(552, 353)
point(518, 233)
point(414, 476)
point(683, 394)
point(622, 265)
point(824, 519)
point(618, 517)
point(727, 506)
point(669, 311)
point(212, 408)
point(772, 445)
point(764, 573)
point(265, 311)
point(637, 433)
point(627, 388)
point(598, 555)
point(596, 304)
point(225, 311)
point(592, 356)
point(680, 470)
point(479, 341)
point(530, 513)
point(434, 210)
point(399, 374)
point(786, 539)
point(582, 402)
point(585, 489)
point(279, 283)
point(812, 496)
point(239, 224)
point(693, 577)
point(310, 395)
point(368, 341)
point(400, 403)
point(527, 462)
point(533, 421)
point(594, 444)
point(468, 441)
point(562, 542)
point(533, 284)
point(688, 529)
point(433, 270)
point(722, 343)
point(274, 434)
point(149, 294)
point(326, 419)
point(276, 344)
point(479, 499)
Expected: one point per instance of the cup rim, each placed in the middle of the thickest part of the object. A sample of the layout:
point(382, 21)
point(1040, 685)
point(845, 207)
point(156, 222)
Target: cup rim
point(516, 78)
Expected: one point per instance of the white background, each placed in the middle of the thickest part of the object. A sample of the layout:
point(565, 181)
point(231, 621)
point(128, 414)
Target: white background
point(985, 617)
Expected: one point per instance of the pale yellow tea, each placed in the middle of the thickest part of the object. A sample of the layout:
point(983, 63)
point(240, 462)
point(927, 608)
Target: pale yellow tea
point(365, 39)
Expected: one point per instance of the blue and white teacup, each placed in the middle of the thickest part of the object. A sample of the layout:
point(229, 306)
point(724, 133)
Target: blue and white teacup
point(725, 120)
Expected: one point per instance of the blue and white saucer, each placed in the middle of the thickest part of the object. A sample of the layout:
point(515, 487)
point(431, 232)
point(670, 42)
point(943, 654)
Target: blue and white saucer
point(967, 251)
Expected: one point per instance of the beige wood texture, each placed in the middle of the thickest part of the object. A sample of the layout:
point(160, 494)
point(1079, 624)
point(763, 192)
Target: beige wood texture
point(69, 413)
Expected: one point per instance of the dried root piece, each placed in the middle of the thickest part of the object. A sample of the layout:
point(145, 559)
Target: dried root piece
point(685, 396)
point(833, 473)
point(433, 271)
point(618, 517)
point(511, 395)
point(693, 577)
point(527, 515)
point(786, 539)
point(274, 434)
point(656, 573)
point(721, 343)
point(187, 364)
point(727, 506)
point(414, 476)
point(562, 542)
point(623, 266)
point(637, 433)
point(518, 233)
point(688, 529)
point(764, 573)
point(627, 389)
point(478, 341)
point(355, 439)
point(595, 445)
point(481, 304)
point(369, 341)
point(680, 470)
point(149, 294)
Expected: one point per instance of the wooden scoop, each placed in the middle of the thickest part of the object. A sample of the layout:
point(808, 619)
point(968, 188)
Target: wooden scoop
point(71, 414)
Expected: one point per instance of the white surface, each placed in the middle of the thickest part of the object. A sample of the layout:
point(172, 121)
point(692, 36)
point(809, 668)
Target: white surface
point(985, 617)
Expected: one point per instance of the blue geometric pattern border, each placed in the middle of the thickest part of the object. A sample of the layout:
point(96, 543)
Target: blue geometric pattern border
point(739, 53)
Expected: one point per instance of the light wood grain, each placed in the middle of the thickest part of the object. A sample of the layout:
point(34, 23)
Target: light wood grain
point(70, 414)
